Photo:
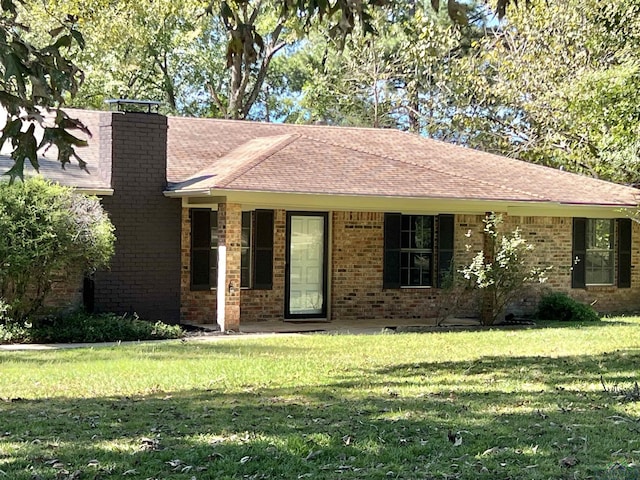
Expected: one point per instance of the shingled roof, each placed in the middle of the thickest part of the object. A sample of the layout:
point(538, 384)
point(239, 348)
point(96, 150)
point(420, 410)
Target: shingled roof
point(209, 154)
point(234, 155)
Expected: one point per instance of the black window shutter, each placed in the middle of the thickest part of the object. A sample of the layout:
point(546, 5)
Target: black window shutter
point(445, 246)
point(578, 258)
point(391, 268)
point(200, 249)
point(624, 253)
point(263, 250)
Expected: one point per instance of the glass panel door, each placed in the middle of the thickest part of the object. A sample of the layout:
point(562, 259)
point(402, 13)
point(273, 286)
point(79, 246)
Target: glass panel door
point(306, 286)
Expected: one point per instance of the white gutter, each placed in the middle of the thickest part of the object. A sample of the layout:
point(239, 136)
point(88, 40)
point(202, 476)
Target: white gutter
point(98, 192)
point(425, 205)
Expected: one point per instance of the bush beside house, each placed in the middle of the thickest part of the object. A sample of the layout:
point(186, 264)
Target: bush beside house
point(49, 233)
point(52, 234)
point(559, 306)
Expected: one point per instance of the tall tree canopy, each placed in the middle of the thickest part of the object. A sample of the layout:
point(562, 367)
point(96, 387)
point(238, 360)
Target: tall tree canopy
point(558, 85)
point(554, 84)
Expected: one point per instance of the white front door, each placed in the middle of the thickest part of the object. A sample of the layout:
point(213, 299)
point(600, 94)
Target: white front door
point(306, 265)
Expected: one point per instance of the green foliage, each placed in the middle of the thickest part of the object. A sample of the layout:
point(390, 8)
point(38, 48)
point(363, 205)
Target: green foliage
point(559, 306)
point(82, 327)
point(503, 270)
point(35, 79)
point(10, 332)
point(555, 85)
point(49, 233)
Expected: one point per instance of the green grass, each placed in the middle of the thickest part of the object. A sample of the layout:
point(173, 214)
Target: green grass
point(526, 404)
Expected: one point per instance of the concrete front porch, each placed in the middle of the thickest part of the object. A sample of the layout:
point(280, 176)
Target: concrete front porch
point(339, 326)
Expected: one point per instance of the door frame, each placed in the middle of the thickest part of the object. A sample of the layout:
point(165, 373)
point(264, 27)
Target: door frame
point(325, 268)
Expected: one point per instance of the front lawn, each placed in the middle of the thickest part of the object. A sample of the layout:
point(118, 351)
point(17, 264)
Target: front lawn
point(512, 404)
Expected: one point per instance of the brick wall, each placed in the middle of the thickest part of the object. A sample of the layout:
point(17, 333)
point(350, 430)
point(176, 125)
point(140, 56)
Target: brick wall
point(357, 244)
point(552, 239)
point(356, 291)
point(66, 293)
point(259, 305)
point(255, 305)
point(145, 271)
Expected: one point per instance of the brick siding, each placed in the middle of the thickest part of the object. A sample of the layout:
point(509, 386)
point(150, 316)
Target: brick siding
point(144, 272)
point(357, 243)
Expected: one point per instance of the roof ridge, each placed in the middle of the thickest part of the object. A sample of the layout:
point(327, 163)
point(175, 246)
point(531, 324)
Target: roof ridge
point(361, 150)
point(296, 126)
point(286, 139)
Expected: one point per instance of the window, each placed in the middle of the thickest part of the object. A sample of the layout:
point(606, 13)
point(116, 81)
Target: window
point(418, 249)
point(256, 249)
point(599, 258)
point(597, 243)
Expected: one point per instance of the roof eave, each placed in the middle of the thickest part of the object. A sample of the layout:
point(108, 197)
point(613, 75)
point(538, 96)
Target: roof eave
point(330, 202)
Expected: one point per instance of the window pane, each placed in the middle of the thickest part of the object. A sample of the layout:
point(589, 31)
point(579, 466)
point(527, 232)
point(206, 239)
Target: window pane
point(213, 270)
point(423, 232)
point(246, 220)
point(244, 269)
point(599, 268)
point(416, 250)
point(244, 277)
point(421, 265)
point(599, 234)
point(600, 255)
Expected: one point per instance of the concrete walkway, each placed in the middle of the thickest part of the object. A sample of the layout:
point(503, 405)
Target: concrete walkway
point(276, 328)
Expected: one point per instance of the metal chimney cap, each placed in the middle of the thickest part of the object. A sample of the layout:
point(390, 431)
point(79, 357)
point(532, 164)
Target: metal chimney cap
point(132, 105)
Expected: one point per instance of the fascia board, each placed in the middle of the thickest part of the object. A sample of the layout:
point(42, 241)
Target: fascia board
point(315, 202)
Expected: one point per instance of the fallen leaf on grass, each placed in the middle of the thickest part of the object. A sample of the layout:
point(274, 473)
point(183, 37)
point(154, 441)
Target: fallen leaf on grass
point(455, 438)
point(569, 461)
point(149, 443)
point(491, 451)
point(313, 454)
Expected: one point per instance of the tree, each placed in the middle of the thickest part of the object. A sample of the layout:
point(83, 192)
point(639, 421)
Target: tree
point(555, 85)
point(49, 233)
point(34, 82)
point(39, 77)
point(400, 78)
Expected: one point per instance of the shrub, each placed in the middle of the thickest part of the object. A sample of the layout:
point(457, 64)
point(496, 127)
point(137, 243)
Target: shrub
point(502, 269)
point(81, 327)
point(12, 332)
point(559, 306)
point(48, 232)
point(107, 327)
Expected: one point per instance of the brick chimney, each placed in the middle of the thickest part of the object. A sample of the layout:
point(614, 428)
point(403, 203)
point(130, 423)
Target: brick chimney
point(144, 275)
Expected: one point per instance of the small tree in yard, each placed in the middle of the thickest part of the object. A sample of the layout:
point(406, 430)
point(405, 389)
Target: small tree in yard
point(49, 233)
point(501, 269)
